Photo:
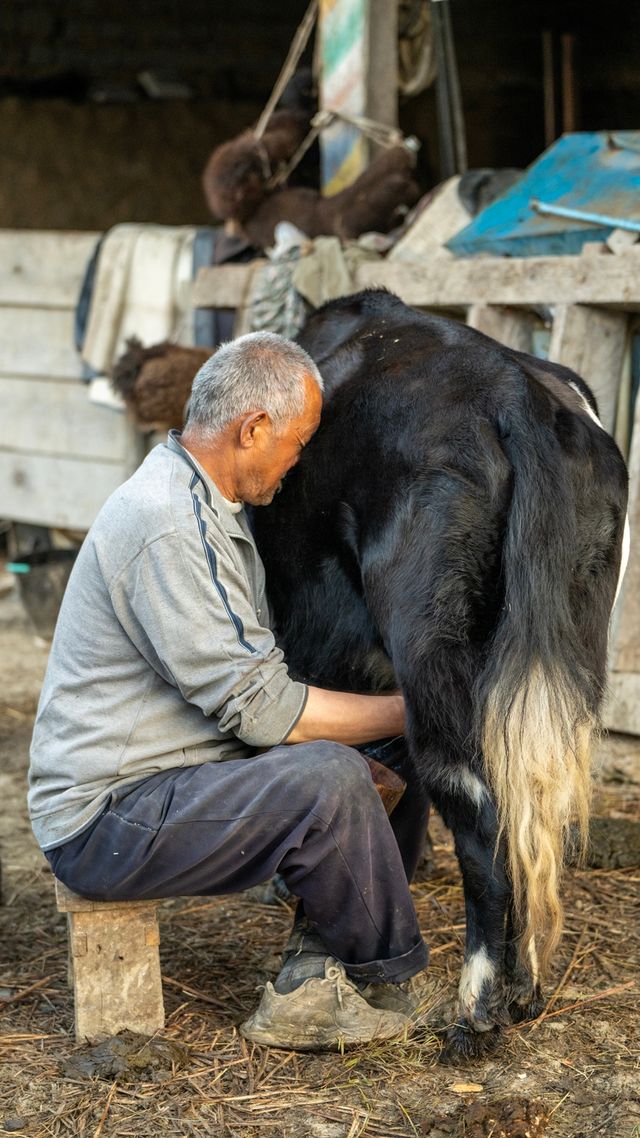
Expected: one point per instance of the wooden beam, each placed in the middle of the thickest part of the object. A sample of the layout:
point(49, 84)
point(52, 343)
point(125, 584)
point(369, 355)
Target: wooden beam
point(624, 651)
point(593, 343)
point(55, 417)
point(444, 283)
point(607, 281)
point(38, 341)
point(512, 327)
point(59, 491)
point(382, 71)
point(43, 269)
point(224, 286)
point(622, 708)
point(358, 75)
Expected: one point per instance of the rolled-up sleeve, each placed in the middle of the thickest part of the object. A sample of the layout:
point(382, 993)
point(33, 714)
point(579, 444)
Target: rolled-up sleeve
point(189, 610)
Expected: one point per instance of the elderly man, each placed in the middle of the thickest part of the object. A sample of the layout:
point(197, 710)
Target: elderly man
point(163, 683)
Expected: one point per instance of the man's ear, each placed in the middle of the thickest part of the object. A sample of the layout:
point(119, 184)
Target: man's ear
point(252, 428)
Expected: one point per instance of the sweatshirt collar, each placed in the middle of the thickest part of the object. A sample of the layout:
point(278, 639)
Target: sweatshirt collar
point(231, 520)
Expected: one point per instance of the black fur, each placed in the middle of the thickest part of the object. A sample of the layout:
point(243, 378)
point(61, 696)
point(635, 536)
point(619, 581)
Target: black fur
point(457, 513)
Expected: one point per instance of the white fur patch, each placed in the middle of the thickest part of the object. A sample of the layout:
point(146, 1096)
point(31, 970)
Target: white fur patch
point(586, 404)
point(462, 779)
point(476, 972)
point(626, 549)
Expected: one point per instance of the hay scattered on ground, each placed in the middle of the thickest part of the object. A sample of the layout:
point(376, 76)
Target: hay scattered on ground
point(575, 1071)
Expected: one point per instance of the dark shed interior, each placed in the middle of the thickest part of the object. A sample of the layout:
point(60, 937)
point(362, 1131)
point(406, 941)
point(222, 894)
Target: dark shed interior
point(109, 112)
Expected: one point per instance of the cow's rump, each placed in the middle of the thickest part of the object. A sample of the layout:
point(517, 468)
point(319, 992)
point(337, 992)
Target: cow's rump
point(455, 527)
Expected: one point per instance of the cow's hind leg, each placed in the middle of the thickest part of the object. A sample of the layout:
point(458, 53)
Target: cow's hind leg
point(409, 823)
point(521, 974)
point(481, 1011)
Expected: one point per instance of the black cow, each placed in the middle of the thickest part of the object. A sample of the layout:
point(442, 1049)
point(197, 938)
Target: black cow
point(455, 529)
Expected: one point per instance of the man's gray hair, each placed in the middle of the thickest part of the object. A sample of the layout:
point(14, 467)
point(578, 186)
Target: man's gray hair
point(256, 372)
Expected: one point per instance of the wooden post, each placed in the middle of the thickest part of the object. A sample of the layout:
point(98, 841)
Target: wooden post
point(114, 965)
point(625, 646)
point(358, 75)
point(512, 327)
point(592, 342)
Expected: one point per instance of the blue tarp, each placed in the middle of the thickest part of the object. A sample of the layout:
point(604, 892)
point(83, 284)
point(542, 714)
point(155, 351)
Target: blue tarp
point(593, 172)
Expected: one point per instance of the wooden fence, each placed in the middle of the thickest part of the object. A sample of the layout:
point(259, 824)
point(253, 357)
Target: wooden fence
point(593, 299)
point(60, 455)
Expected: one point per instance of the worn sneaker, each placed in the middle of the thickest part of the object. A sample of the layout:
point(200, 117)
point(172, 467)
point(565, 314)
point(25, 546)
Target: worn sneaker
point(303, 957)
point(391, 997)
point(325, 1013)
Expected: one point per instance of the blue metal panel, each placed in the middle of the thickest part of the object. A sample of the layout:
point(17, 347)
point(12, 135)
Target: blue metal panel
point(597, 173)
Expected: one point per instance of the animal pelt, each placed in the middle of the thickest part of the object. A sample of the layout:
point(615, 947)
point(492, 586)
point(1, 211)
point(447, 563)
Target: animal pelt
point(235, 184)
point(235, 177)
point(155, 382)
point(372, 202)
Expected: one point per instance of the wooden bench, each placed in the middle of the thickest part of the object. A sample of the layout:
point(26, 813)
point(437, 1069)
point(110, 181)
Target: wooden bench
point(114, 962)
point(114, 965)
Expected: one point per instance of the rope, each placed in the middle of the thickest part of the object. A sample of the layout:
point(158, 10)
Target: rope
point(378, 132)
point(298, 44)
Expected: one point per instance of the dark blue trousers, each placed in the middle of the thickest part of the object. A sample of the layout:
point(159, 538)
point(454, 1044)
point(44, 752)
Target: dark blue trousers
point(309, 812)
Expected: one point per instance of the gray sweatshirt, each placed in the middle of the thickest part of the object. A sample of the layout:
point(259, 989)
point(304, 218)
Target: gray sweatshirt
point(162, 655)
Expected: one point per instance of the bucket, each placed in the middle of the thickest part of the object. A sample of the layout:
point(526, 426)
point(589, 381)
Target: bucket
point(42, 579)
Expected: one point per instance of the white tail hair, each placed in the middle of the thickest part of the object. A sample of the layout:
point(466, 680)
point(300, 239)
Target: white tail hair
point(537, 758)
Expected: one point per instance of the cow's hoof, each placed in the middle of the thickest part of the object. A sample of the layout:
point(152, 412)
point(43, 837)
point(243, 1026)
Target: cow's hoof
point(524, 1009)
point(464, 1045)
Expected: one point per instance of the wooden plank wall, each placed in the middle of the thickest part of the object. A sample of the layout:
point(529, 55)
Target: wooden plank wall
point(60, 455)
point(593, 298)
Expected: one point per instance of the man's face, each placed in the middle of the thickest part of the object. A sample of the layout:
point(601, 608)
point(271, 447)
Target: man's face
point(272, 454)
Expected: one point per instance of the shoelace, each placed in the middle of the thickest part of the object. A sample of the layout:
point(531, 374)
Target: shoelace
point(336, 973)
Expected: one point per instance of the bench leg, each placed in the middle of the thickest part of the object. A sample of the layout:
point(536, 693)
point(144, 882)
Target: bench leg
point(116, 972)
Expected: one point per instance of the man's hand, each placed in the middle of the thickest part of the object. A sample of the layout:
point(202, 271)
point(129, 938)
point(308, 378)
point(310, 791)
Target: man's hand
point(347, 718)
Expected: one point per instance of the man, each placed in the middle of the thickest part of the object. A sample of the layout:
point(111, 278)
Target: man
point(163, 681)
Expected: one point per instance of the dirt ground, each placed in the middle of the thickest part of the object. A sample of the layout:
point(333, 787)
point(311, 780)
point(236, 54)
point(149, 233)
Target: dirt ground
point(575, 1072)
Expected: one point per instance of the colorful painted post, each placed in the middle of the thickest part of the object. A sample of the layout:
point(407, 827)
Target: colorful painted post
point(358, 76)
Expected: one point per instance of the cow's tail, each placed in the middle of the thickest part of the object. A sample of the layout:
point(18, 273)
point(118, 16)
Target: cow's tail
point(538, 697)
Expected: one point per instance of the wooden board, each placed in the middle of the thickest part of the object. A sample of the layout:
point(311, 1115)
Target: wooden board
point(592, 342)
point(62, 492)
point(55, 417)
point(625, 639)
point(43, 269)
point(223, 286)
point(510, 326)
point(607, 280)
point(342, 42)
point(622, 708)
point(116, 972)
point(38, 341)
point(357, 43)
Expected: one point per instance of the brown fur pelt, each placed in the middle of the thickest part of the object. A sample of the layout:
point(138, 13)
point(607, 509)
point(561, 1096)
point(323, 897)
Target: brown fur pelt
point(372, 202)
point(155, 382)
point(235, 177)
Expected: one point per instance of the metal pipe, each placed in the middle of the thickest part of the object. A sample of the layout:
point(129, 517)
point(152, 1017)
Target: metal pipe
point(584, 215)
point(446, 141)
point(455, 96)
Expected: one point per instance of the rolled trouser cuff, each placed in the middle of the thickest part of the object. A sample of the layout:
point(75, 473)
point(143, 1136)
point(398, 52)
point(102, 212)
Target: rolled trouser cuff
point(393, 971)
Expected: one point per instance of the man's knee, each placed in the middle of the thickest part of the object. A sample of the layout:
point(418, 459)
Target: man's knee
point(334, 768)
